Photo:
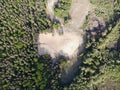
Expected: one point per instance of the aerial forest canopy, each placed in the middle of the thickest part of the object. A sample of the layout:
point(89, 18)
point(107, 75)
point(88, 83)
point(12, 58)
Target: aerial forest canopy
point(22, 68)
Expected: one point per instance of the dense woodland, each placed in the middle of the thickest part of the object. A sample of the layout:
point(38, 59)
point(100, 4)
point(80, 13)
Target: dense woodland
point(21, 68)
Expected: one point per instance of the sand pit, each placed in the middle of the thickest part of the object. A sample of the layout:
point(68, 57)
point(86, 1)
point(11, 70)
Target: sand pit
point(66, 44)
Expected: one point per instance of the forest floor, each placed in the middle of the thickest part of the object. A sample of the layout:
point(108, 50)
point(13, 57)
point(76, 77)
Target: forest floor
point(72, 40)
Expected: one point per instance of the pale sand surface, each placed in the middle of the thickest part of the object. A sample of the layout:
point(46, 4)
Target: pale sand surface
point(72, 38)
point(71, 42)
point(66, 44)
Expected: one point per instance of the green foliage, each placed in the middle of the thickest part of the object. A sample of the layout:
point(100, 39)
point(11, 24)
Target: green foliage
point(101, 61)
point(62, 9)
point(112, 38)
point(117, 7)
point(55, 25)
point(20, 68)
point(103, 8)
point(64, 66)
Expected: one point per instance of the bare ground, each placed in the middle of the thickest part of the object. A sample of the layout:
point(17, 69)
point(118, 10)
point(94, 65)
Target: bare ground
point(67, 44)
point(72, 37)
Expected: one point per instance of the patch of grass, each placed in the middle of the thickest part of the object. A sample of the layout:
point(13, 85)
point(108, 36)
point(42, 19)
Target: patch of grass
point(62, 8)
point(55, 25)
point(110, 79)
point(103, 8)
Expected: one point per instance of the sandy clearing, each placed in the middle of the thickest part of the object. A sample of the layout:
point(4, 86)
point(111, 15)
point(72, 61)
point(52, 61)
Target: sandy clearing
point(69, 42)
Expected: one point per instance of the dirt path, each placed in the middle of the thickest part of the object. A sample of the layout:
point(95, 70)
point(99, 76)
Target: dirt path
point(50, 8)
point(69, 43)
point(79, 10)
